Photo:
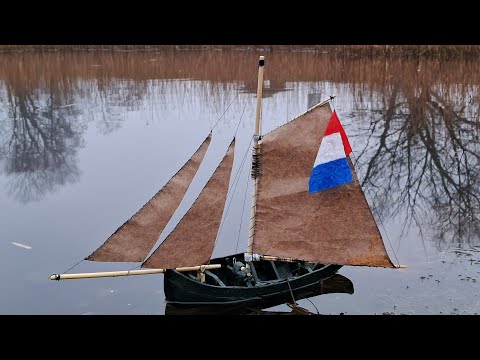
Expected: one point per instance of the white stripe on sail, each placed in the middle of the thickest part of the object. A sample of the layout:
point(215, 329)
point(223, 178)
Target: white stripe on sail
point(331, 148)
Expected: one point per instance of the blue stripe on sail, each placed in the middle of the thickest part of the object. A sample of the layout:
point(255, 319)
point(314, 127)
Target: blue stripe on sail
point(330, 174)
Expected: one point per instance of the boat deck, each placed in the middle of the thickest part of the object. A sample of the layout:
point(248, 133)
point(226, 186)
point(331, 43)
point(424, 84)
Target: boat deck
point(234, 272)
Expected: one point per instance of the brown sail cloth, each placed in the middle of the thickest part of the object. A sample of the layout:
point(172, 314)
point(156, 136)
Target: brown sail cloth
point(191, 242)
point(135, 238)
point(333, 226)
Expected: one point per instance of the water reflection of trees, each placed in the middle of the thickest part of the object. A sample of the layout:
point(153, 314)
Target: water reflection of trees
point(422, 153)
point(39, 143)
point(424, 125)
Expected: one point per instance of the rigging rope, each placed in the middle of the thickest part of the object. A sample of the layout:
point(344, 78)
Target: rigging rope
point(241, 116)
point(236, 179)
point(376, 213)
point(301, 84)
point(229, 105)
point(243, 212)
point(289, 287)
point(73, 266)
point(237, 175)
point(318, 313)
point(136, 267)
point(295, 80)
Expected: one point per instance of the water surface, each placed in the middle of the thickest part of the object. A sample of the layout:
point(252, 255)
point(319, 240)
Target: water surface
point(86, 138)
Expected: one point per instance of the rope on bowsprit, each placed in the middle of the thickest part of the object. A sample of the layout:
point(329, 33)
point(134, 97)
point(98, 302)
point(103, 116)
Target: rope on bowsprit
point(57, 277)
point(78, 263)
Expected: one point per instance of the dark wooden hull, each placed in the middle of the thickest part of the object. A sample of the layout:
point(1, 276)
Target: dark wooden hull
point(184, 289)
point(337, 284)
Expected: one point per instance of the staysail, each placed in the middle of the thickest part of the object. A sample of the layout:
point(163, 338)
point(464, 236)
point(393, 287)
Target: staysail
point(136, 237)
point(332, 226)
point(192, 241)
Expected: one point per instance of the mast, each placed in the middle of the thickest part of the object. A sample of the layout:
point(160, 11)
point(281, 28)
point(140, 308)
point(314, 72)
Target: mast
point(256, 152)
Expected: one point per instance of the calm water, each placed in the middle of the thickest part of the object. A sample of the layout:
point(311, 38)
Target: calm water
point(87, 138)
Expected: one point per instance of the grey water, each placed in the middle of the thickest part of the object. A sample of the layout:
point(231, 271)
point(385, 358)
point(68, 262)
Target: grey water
point(86, 138)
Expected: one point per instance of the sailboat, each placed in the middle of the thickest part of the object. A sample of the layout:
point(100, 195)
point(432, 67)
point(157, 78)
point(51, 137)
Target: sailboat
point(309, 217)
point(337, 284)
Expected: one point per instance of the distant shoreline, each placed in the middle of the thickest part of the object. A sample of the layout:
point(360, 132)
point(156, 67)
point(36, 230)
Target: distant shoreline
point(433, 51)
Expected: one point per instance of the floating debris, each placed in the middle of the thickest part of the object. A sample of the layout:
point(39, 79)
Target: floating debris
point(68, 105)
point(22, 245)
point(462, 252)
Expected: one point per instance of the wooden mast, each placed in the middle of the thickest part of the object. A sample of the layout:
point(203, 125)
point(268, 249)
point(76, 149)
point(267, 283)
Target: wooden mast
point(255, 159)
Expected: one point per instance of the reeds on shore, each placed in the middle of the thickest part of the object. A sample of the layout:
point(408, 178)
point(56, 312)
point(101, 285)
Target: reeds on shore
point(437, 51)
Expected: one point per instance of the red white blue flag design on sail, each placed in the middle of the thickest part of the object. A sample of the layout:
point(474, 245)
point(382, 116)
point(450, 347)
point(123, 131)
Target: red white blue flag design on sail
point(331, 167)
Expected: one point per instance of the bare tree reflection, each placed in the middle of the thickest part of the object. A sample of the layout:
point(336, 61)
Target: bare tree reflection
point(422, 152)
point(39, 143)
point(112, 99)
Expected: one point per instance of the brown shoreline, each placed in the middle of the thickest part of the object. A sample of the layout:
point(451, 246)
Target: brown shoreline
point(436, 51)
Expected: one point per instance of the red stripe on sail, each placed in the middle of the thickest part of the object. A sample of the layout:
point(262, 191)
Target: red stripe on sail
point(334, 126)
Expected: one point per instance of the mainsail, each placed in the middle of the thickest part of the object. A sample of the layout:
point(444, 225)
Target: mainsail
point(193, 239)
point(333, 226)
point(136, 237)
